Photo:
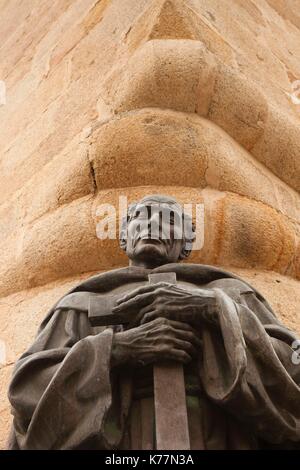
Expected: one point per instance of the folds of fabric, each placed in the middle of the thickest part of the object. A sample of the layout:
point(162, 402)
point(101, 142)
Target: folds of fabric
point(65, 396)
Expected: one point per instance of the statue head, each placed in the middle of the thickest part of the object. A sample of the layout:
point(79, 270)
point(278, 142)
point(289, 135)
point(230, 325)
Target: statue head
point(156, 232)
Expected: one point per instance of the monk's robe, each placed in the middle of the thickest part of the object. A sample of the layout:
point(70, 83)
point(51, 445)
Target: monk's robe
point(242, 391)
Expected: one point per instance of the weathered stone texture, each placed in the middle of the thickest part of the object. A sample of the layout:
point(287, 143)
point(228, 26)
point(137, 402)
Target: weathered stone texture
point(103, 93)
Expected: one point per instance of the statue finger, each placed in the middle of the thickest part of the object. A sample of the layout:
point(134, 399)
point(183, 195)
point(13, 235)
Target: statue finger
point(152, 311)
point(176, 355)
point(141, 290)
point(139, 317)
point(138, 301)
point(185, 346)
point(190, 336)
point(183, 325)
point(149, 316)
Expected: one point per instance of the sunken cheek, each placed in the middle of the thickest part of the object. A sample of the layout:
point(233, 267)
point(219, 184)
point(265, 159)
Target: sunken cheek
point(133, 227)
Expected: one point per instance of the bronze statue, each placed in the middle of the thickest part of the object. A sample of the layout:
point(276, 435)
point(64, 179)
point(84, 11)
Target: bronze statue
point(81, 386)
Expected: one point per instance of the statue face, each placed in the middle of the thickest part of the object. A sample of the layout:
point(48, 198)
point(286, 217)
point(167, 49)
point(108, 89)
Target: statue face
point(155, 234)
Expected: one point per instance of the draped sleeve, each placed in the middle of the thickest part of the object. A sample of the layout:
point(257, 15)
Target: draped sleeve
point(60, 391)
point(247, 367)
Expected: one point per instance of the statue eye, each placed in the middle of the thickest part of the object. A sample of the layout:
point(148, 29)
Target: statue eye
point(139, 215)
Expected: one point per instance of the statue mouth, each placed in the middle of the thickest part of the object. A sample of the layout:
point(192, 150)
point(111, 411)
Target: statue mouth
point(154, 241)
point(150, 241)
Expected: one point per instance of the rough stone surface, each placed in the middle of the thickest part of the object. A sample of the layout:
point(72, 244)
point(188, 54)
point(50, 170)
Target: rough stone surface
point(103, 93)
point(5, 417)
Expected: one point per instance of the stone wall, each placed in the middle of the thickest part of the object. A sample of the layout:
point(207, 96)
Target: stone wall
point(102, 94)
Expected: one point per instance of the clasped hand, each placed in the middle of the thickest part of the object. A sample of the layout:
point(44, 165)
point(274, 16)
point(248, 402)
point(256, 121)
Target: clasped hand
point(165, 323)
point(164, 300)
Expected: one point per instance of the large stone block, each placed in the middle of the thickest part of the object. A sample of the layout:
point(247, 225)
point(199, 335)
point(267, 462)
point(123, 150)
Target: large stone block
point(173, 19)
point(149, 147)
point(280, 150)
point(32, 29)
point(129, 149)
point(175, 74)
point(44, 139)
point(5, 415)
point(240, 232)
point(253, 235)
point(238, 107)
point(66, 178)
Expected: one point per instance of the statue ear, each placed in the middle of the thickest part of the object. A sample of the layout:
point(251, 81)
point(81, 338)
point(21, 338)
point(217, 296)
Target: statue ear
point(123, 234)
point(185, 252)
point(123, 244)
point(188, 244)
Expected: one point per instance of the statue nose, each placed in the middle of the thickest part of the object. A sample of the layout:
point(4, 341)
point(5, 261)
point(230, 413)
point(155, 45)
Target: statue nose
point(155, 218)
point(155, 224)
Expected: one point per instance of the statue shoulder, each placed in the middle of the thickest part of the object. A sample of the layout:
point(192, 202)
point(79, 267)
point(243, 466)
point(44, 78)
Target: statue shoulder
point(229, 284)
point(211, 276)
point(78, 297)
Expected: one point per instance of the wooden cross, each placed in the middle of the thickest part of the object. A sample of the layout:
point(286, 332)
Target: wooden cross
point(171, 422)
